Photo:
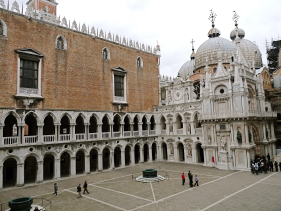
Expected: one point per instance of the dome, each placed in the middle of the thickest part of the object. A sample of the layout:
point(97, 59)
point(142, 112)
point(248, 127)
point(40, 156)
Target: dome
point(214, 32)
point(187, 68)
point(209, 49)
point(241, 33)
point(251, 51)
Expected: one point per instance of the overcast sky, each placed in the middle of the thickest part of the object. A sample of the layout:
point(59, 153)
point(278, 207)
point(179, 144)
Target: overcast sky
point(174, 23)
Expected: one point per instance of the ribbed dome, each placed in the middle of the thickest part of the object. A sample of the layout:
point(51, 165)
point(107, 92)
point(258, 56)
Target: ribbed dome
point(214, 32)
point(241, 33)
point(209, 49)
point(187, 68)
point(251, 51)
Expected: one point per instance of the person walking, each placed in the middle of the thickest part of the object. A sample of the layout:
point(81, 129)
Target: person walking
point(183, 178)
point(56, 189)
point(257, 169)
point(196, 181)
point(276, 166)
point(79, 191)
point(85, 187)
point(190, 179)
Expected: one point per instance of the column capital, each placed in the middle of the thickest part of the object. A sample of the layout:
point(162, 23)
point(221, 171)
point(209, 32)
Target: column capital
point(40, 125)
point(39, 162)
point(57, 124)
point(57, 159)
point(87, 124)
point(72, 124)
point(20, 164)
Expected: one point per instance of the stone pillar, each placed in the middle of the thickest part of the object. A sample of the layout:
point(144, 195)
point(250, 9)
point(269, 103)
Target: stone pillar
point(273, 148)
point(248, 159)
point(58, 133)
point(231, 134)
point(205, 157)
point(39, 177)
point(149, 153)
point(87, 131)
point(176, 153)
point(194, 158)
point(122, 158)
point(87, 164)
point(20, 174)
point(111, 130)
point(184, 127)
point(1, 177)
point(132, 156)
point(192, 127)
point(272, 130)
point(159, 153)
point(246, 133)
point(264, 133)
point(100, 166)
point(99, 131)
point(140, 128)
point(57, 168)
point(141, 155)
point(132, 129)
point(216, 157)
point(72, 166)
point(122, 130)
point(167, 127)
point(40, 133)
point(185, 154)
point(174, 128)
point(112, 166)
point(72, 131)
point(148, 127)
point(1, 139)
point(22, 134)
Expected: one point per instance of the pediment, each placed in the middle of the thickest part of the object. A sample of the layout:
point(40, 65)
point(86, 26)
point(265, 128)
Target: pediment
point(119, 69)
point(29, 51)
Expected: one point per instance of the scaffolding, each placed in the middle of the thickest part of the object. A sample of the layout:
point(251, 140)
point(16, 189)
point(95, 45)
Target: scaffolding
point(272, 50)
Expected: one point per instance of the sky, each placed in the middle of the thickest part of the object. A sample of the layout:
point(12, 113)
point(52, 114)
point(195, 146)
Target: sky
point(175, 23)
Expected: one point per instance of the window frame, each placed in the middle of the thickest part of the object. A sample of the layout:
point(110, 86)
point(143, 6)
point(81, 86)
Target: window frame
point(108, 53)
point(141, 62)
point(5, 29)
point(119, 72)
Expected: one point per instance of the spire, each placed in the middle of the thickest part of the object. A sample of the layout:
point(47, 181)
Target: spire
point(192, 56)
point(212, 18)
point(214, 32)
point(235, 18)
point(237, 32)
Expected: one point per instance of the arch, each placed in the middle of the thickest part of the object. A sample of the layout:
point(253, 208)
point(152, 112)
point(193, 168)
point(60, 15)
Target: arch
point(163, 122)
point(56, 156)
point(176, 116)
point(146, 152)
point(15, 114)
point(105, 124)
point(164, 150)
point(105, 53)
point(37, 157)
point(65, 163)
point(95, 116)
point(139, 62)
point(79, 125)
point(106, 158)
point(49, 114)
point(128, 154)
point(116, 123)
point(181, 155)
point(106, 115)
point(144, 123)
point(154, 151)
point(80, 161)
point(3, 28)
point(136, 123)
point(194, 117)
point(152, 123)
point(65, 122)
point(70, 152)
point(94, 159)
point(93, 127)
point(179, 122)
point(10, 171)
point(34, 115)
point(127, 123)
point(61, 43)
point(30, 168)
point(137, 153)
point(117, 156)
point(199, 152)
point(128, 117)
point(49, 166)
point(10, 128)
point(70, 119)
point(16, 158)
point(49, 127)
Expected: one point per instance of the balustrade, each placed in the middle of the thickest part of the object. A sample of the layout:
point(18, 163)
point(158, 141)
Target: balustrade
point(80, 136)
point(116, 134)
point(30, 139)
point(145, 132)
point(136, 133)
point(152, 132)
point(106, 135)
point(127, 133)
point(163, 132)
point(10, 140)
point(93, 135)
point(198, 130)
point(48, 138)
point(65, 137)
point(179, 131)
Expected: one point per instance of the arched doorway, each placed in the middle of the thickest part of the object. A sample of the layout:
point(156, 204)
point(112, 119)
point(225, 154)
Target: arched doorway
point(9, 172)
point(181, 151)
point(80, 162)
point(65, 129)
point(116, 126)
point(106, 158)
point(164, 151)
point(79, 129)
point(93, 160)
point(137, 153)
point(48, 167)
point(49, 129)
point(30, 169)
point(65, 164)
point(10, 130)
point(145, 153)
point(154, 151)
point(30, 130)
point(117, 157)
point(127, 155)
point(200, 153)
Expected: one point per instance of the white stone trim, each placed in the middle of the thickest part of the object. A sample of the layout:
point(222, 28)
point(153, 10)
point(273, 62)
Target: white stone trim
point(5, 29)
point(118, 99)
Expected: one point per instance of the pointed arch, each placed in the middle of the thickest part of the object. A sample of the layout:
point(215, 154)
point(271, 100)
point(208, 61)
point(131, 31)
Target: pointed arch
point(139, 62)
point(67, 115)
point(34, 115)
point(105, 53)
point(51, 114)
point(82, 115)
point(61, 42)
point(3, 28)
point(15, 114)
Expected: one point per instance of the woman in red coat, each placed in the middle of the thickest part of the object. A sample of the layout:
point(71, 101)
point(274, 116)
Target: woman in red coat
point(183, 178)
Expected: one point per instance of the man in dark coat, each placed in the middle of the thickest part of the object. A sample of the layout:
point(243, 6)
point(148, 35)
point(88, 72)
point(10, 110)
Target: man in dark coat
point(268, 157)
point(190, 179)
point(276, 166)
point(85, 186)
point(79, 191)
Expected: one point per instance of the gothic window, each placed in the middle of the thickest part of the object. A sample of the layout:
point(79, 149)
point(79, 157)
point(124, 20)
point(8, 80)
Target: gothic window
point(139, 62)
point(28, 74)
point(119, 85)
point(215, 69)
point(105, 54)
point(61, 43)
point(3, 28)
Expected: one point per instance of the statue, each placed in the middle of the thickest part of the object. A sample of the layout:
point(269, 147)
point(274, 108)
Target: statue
point(189, 150)
point(223, 143)
point(266, 133)
point(239, 137)
point(171, 149)
point(250, 137)
point(209, 139)
point(170, 96)
point(186, 94)
point(188, 128)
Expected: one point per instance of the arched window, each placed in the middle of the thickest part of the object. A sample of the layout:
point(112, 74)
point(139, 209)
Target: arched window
point(61, 43)
point(105, 53)
point(3, 28)
point(139, 62)
point(215, 69)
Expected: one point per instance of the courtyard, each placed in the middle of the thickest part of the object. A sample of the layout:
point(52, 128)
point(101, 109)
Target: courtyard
point(117, 190)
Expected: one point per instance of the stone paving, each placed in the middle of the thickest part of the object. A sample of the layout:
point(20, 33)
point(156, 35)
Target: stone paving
point(116, 190)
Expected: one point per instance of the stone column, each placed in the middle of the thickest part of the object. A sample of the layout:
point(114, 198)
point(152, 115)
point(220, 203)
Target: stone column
point(111, 130)
point(122, 158)
point(1, 139)
point(194, 158)
point(132, 129)
point(246, 133)
point(140, 128)
point(176, 153)
point(216, 157)
point(87, 131)
point(57, 168)
point(22, 134)
point(248, 159)
point(141, 154)
point(192, 127)
point(174, 128)
point(20, 174)
point(159, 153)
point(1, 177)
point(272, 130)
point(132, 156)
point(40, 133)
point(112, 166)
point(39, 177)
point(167, 127)
point(72, 131)
point(58, 133)
point(99, 131)
point(87, 164)
point(100, 166)
point(231, 134)
point(273, 148)
point(73, 166)
point(149, 153)
point(264, 133)
point(185, 154)
point(205, 157)
point(148, 127)
point(122, 130)
point(184, 126)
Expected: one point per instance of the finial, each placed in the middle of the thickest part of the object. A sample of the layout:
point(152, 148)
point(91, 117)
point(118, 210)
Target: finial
point(235, 18)
point(212, 18)
point(192, 41)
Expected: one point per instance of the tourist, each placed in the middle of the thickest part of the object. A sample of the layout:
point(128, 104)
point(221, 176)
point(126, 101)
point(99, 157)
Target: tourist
point(36, 209)
point(196, 181)
point(183, 178)
point(55, 189)
point(276, 166)
point(257, 169)
point(268, 157)
point(190, 179)
point(271, 166)
point(79, 191)
point(85, 187)
point(253, 167)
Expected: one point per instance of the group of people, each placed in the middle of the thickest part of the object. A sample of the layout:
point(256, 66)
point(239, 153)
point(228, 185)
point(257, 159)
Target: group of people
point(190, 177)
point(85, 186)
point(261, 164)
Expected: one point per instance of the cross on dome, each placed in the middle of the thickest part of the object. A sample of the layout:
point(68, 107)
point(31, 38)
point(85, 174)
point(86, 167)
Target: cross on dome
point(212, 18)
point(235, 18)
point(192, 41)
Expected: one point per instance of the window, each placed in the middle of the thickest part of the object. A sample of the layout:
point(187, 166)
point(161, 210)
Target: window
point(215, 69)
point(119, 85)
point(3, 28)
point(28, 74)
point(105, 54)
point(61, 43)
point(139, 62)
point(222, 127)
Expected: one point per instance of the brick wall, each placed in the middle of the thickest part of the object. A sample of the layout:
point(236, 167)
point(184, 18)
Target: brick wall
point(78, 78)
